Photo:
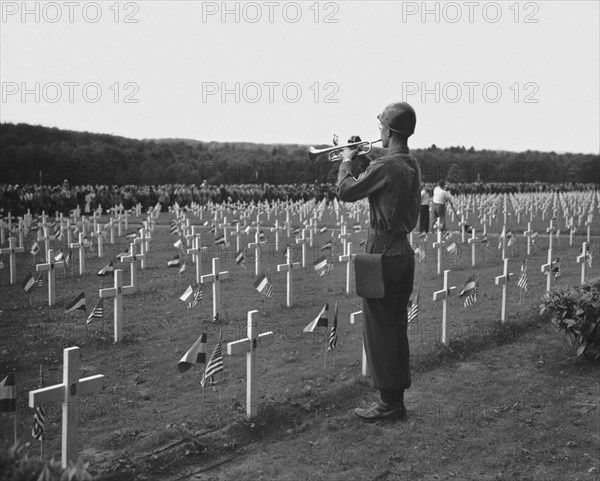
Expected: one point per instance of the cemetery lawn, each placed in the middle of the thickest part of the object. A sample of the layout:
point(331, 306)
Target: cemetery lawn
point(508, 403)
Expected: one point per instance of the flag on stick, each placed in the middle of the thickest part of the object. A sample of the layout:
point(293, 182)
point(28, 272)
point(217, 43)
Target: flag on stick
point(263, 285)
point(106, 269)
point(469, 292)
point(240, 259)
point(97, 311)
point(174, 262)
point(556, 268)
point(196, 354)
point(320, 263)
point(35, 248)
point(327, 245)
point(197, 298)
point(320, 321)
point(419, 254)
point(187, 294)
point(413, 310)
point(39, 420)
point(522, 282)
point(214, 364)
point(333, 335)
point(28, 282)
point(77, 303)
point(8, 394)
point(178, 244)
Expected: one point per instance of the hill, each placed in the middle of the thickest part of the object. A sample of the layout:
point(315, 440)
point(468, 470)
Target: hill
point(38, 154)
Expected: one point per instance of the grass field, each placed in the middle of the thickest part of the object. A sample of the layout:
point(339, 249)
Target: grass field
point(151, 422)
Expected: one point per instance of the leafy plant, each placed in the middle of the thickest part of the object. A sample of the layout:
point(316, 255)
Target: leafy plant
point(16, 466)
point(577, 312)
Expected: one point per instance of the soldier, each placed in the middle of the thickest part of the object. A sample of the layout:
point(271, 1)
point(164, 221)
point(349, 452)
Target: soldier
point(392, 184)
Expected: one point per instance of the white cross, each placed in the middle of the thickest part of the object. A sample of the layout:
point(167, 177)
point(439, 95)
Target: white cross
point(12, 250)
point(80, 245)
point(472, 242)
point(443, 295)
point(10, 218)
point(288, 267)
point(68, 392)
point(550, 230)
point(503, 281)
point(248, 346)
point(359, 316)
point(50, 267)
point(98, 235)
point(215, 278)
point(133, 258)
point(588, 224)
point(547, 269)
point(529, 234)
point(2, 235)
point(257, 255)
point(21, 230)
point(68, 229)
point(503, 240)
point(237, 233)
point(111, 228)
point(276, 229)
point(143, 241)
point(344, 235)
point(347, 258)
point(46, 239)
point(118, 291)
point(463, 227)
point(581, 259)
point(119, 220)
point(571, 227)
point(303, 240)
point(439, 245)
point(196, 252)
point(288, 222)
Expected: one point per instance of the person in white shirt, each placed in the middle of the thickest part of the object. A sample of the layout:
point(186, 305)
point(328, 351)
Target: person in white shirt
point(440, 197)
point(424, 212)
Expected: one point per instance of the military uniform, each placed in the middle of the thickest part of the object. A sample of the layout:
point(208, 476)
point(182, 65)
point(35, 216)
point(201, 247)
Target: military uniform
point(393, 184)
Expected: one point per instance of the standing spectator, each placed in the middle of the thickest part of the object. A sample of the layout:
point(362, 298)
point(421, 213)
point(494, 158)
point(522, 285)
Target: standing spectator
point(424, 212)
point(440, 197)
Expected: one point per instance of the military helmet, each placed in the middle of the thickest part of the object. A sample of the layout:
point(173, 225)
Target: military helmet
point(399, 117)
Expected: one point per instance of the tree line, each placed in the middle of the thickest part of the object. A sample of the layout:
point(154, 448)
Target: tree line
point(31, 154)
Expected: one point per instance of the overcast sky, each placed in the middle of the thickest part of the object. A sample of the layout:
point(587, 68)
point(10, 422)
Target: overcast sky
point(496, 75)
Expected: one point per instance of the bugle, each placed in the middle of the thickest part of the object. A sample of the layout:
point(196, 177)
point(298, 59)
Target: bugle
point(364, 146)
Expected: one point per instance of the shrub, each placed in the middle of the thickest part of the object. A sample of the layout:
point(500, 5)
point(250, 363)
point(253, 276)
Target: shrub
point(16, 466)
point(577, 312)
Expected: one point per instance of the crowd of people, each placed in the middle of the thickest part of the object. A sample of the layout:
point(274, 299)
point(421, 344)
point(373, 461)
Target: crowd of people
point(17, 199)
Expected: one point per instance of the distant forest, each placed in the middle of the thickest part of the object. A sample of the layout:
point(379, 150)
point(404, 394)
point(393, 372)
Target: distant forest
point(34, 154)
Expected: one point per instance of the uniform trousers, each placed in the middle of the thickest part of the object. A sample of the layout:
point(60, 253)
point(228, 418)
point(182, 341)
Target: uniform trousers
point(386, 322)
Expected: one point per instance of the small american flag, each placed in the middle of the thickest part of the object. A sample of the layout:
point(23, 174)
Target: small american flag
point(97, 311)
point(214, 364)
point(556, 268)
point(39, 419)
point(328, 268)
point(333, 334)
point(419, 254)
point(197, 297)
point(413, 310)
